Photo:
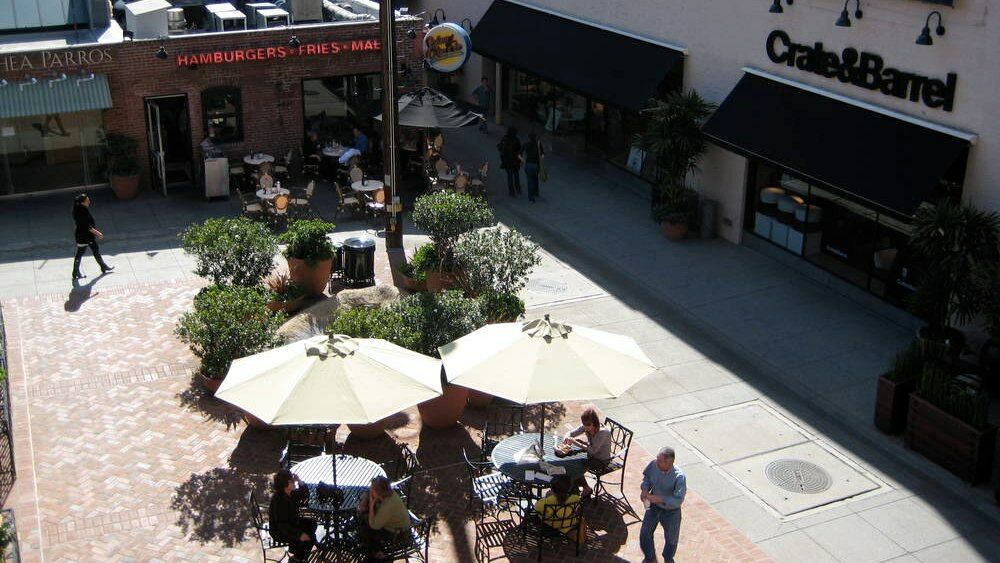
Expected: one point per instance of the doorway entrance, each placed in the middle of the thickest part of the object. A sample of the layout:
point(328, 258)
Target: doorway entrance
point(169, 136)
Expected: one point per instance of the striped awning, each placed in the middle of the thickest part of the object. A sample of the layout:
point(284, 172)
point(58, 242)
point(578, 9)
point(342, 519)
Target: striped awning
point(47, 96)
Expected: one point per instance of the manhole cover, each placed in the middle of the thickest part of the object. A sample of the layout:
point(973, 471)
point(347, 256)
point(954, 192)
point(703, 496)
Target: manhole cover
point(546, 285)
point(798, 476)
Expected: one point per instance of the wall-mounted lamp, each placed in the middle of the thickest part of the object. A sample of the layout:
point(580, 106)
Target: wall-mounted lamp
point(57, 77)
point(411, 33)
point(776, 6)
point(294, 42)
point(85, 76)
point(28, 81)
point(845, 20)
point(925, 35)
point(161, 53)
point(435, 20)
point(467, 27)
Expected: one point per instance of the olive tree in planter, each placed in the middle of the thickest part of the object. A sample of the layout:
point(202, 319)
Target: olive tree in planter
point(123, 166)
point(227, 323)
point(445, 216)
point(231, 251)
point(309, 253)
point(950, 240)
point(673, 138)
point(948, 424)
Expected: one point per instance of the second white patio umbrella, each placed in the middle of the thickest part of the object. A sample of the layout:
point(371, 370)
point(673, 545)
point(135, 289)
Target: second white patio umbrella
point(541, 361)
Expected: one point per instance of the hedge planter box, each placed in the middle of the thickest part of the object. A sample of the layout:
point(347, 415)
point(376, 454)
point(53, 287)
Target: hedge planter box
point(313, 279)
point(412, 285)
point(949, 442)
point(440, 281)
point(892, 401)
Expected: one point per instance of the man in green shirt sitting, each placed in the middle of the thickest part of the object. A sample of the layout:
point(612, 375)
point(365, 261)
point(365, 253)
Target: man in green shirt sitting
point(382, 516)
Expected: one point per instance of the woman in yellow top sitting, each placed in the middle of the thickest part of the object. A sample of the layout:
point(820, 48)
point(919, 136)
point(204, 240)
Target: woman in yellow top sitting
point(559, 518)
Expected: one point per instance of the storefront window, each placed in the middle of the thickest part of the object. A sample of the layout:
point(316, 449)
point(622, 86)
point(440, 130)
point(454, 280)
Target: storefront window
point(46, 152)
point(332, 106)
point(223, 110)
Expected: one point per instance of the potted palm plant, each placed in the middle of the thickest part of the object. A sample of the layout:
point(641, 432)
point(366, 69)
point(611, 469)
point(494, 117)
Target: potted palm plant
point(123, 167)
point(445, 216)
point(309, 253)
point(950, 240)
point(673, 138)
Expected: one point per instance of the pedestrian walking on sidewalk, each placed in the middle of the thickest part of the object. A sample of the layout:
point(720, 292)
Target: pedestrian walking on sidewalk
point(510, 160)
point(663, 489)
point(534, 155)
point(86, 234)
point(483, 96)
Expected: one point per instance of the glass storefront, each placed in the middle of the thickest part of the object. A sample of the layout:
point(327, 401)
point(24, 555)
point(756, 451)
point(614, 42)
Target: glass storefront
point(844, 237)
point(48, 152)
point(332, 106)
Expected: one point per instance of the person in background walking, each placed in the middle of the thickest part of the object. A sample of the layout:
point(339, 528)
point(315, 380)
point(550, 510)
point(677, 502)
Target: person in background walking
point(534, 154)
point(510, 160)
point(86, 234)
point(483, 96)
point(663, 489)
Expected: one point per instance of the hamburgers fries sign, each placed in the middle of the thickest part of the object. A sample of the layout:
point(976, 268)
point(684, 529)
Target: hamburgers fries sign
point(447, 47)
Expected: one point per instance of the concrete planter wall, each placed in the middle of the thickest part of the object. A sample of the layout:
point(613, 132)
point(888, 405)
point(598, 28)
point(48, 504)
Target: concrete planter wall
point(950, 442)
point(892, 401)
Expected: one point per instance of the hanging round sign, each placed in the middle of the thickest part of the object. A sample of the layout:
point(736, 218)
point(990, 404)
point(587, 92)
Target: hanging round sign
point(447, 47)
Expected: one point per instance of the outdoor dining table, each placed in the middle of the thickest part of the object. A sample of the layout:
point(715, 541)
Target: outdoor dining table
point(504, 458)
point(272, 193)
point(367, 186)
point(333, 152)
point(257, 159)
point(354, 477)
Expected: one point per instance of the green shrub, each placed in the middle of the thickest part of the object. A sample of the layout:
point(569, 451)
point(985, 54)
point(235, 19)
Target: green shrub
point(909, 362)
point(121, 153)
point(501, 307)
point(495, 260)
point(954, 395)
point(376, 322)
point(231, 251)
point(7, 535)
point(228, 322)
point(306, 240)
point(445, 216)
point(439, 318)
point(424, 260)
point(282, 287)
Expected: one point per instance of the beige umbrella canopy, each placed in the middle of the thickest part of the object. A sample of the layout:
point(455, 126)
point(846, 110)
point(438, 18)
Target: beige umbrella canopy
point(541, 361)
point(335, 380)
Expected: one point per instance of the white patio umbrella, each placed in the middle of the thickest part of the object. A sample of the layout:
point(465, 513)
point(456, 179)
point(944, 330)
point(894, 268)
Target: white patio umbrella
point(541, 361)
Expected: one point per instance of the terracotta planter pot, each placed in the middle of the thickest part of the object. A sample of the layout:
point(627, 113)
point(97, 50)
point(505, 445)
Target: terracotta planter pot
point(951, 443)
point(479, 400)
point(412, 285)
point(211, 384)
point(313, 279)
point(368, 431)
point(892, 402)
point(443, 412)
point(125, 187)
point(254, 422)
point(674, 231)
point(440, 281)
point(287, 306)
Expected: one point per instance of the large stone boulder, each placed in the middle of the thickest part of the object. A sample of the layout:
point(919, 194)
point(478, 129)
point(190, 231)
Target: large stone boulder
point(375, 296)
point(313, 320)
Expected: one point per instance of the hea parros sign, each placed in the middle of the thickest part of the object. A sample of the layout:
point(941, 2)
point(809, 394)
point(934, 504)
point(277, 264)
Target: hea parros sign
point(863, 69)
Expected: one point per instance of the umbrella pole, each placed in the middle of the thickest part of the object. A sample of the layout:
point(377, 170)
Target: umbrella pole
point(334, 456)
point(541, 432)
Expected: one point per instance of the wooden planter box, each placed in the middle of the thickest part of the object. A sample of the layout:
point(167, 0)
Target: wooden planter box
point(892, 402)
point(949, 442)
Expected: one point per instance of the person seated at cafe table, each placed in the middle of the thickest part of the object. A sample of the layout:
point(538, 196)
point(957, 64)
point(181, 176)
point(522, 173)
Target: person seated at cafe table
point(597, 446)
point(382, 516)
point(560, 493)
point(283, 518)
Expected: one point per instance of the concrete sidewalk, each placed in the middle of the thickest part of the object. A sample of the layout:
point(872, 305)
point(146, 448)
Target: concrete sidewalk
point(734, 329)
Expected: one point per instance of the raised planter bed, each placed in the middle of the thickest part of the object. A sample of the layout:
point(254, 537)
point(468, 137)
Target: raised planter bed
point(892, 402)
point(951, 443)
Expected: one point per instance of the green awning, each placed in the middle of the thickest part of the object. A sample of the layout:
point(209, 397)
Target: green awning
point(46, 97)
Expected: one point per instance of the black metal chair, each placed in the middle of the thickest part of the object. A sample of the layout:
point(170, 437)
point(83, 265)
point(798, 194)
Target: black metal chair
point(558, 523)
point(403, 487)
point(621, 440)
point(406, 465)
point(503, 422)
point(485, 485)
point(415, 543)
point(262, 528)
point(301, 444)
point(495, 532)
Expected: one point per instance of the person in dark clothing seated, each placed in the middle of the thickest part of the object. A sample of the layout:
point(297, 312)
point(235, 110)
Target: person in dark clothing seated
point(283, 517)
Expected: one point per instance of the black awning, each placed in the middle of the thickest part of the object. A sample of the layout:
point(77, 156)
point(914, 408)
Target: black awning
point(877, 158)
point(600, 64)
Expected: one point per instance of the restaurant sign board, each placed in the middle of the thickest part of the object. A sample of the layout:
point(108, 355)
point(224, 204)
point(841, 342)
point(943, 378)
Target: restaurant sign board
point(329, 48)
point(447, 47)
point(863, 69)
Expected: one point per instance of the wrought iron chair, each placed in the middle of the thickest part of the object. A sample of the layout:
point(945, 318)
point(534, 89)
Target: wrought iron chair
point(262, 528)
point(621, 440)
point(405, 465)
point(557, 523)
point(416, 543)
point(301, 444)
point(485, 485)
point(503, 422)
point(494, 533)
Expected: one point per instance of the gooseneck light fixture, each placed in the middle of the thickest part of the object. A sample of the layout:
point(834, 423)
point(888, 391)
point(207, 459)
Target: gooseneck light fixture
point(411, 33)
point(57, 77)
point(776, 6)
point(925, 35)
point(845, 20)
point(435, 20)
point(28, 81)
point(467, 24)
point(294, 42)
point(161, 53)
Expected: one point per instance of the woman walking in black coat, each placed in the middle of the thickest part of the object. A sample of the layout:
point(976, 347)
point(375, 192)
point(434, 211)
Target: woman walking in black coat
point(86, 234)
point(510, 160)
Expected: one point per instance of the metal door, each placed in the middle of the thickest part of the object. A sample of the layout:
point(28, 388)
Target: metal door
point(157, 155)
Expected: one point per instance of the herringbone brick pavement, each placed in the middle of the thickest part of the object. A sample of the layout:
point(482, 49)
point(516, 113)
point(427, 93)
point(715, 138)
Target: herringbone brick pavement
point(121, 456)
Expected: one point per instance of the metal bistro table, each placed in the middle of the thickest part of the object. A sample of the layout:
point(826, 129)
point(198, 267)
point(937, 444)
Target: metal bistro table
point(367, 186)
point(504, 452)
point(354, 476)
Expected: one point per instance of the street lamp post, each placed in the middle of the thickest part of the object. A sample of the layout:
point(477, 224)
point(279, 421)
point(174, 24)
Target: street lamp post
point(390, 128)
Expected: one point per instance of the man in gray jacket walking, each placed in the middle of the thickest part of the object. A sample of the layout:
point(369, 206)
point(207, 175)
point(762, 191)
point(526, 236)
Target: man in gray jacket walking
point(663, 489)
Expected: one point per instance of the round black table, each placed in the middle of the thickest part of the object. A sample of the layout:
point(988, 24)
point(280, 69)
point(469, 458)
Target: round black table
point(354, 476)
point(504, 452)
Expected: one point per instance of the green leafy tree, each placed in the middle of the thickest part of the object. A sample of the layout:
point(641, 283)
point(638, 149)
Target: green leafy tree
point(229, 322)
point(495, 261)
point(501, 307)
point(440, 318)
point(386, 323)
point(445, 216)
point(231, 251)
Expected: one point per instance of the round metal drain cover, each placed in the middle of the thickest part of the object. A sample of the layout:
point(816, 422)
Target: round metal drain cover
point(547, 285)
point(798, 476)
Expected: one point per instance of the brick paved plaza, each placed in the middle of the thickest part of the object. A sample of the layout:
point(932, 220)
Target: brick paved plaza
point(121, 457)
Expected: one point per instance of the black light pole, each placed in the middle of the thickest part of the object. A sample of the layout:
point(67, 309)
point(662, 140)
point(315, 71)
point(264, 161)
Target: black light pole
point(390, 128)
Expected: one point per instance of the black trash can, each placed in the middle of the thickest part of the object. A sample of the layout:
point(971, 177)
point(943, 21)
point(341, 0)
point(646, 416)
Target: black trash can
point(359, 261)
